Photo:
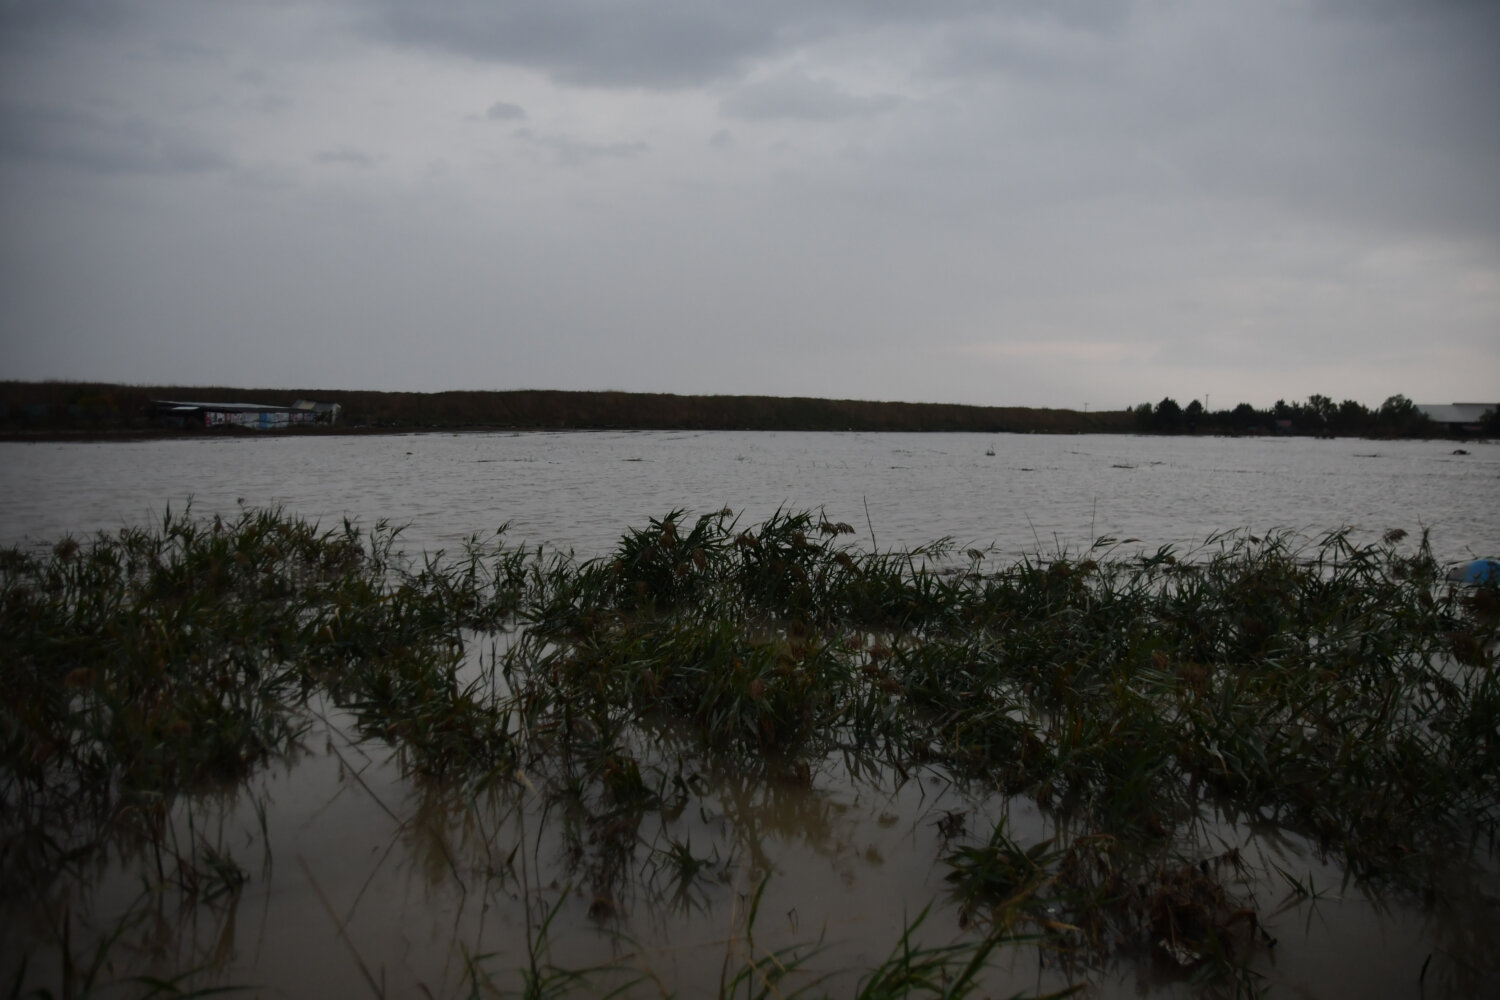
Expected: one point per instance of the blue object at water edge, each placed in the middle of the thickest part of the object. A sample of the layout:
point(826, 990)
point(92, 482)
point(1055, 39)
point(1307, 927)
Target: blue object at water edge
point(1478, 571)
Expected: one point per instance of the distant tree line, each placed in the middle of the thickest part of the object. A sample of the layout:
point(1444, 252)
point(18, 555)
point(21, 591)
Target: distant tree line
point(49, 409)
point(60, 409)
point(1320, 416)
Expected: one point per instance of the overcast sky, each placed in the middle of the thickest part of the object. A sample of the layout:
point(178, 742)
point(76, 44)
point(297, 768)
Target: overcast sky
point(1040, 202)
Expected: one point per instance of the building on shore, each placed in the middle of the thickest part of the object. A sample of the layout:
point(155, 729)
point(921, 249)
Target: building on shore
point(258, 416)
point(1458, 419)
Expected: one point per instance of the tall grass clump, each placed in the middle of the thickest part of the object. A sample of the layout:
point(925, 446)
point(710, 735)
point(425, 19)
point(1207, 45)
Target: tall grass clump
point(1331, 690)
point(156, 661)
point(1337, 691)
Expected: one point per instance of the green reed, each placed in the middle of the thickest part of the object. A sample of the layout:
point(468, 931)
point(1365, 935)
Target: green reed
point(1335, 690)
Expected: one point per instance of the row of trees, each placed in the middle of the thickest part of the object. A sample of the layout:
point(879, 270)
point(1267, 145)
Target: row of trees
point(42, 408)
point(1320, 415)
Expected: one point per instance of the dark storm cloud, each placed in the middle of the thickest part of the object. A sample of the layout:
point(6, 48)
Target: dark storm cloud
point(1377, 116)
point(1048, 196)
point(660, 43)
point(673, 43)
point(24, 17)
point(101, 141)
point(1381, 117)
point(1338, 108)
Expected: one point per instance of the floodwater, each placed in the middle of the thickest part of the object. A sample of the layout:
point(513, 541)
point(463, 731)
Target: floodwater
point(366, 882)
point(582, 490)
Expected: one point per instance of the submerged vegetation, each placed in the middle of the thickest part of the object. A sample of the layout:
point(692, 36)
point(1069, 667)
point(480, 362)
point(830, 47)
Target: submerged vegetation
point(1141, 702)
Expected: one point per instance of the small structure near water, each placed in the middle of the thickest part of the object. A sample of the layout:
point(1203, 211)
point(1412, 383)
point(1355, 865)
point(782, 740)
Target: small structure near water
point(1458, 419)
point(258, 416)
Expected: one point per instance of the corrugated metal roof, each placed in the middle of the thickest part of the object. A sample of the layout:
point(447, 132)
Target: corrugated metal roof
point(222, 407)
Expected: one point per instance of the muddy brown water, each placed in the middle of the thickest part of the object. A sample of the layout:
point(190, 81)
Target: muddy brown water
point(365, 882)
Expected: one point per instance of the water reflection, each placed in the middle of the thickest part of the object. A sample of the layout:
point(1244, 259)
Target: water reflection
point(361, 875)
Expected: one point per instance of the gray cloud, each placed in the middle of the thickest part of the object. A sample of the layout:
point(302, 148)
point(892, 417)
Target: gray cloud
point(797, 95)
point(345, 156)
point(504, 111)
point(660, 43)
point(572, 151)
point(101, 141)
point(982, 202)
point(683, 43)
point(20, 18)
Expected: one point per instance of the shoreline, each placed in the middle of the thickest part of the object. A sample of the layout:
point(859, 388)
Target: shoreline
point(208, 434)
point(138, 434)
point(102, 412)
